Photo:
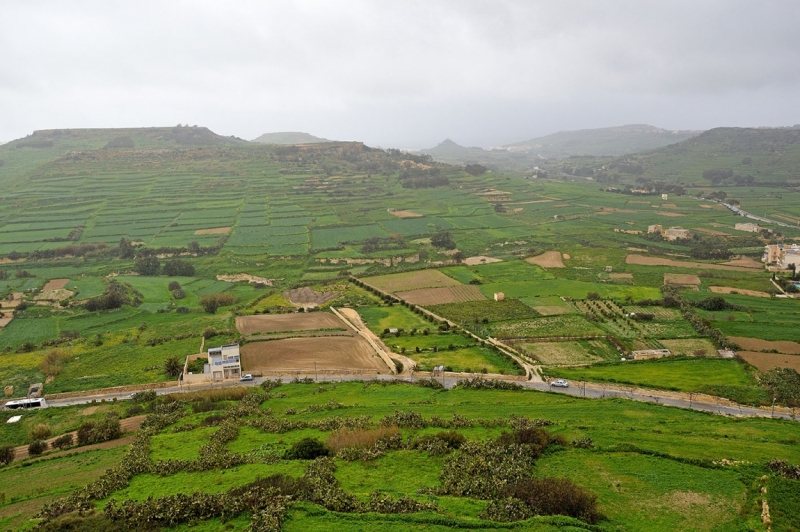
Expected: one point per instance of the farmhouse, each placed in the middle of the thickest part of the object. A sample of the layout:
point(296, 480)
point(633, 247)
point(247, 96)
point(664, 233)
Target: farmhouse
point(674, 233)
point(748, 227)
point(780, 256)
point(650, 353)
point(222, 363)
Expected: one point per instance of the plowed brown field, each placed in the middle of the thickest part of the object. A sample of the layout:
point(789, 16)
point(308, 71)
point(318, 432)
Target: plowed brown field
point(439, 296)
point(767, 361)
point(754, 344)
point(301, 354)
point(400, 282)
point(549, 259)
point(287, 322)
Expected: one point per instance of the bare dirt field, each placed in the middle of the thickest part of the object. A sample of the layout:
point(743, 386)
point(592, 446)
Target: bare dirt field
point(55, 284)
point(729, 290)
point(287, 322)
point(245, 277)
point(766, 361)
point(480, 259)
point(301, 354)
point(552, 310)
point(5, 321)
point(213, 231)
point(689, 346)
point(440, 296)
point(681, 278)
point(668, 206)
point(548, 259)
point(745, 262)
point(660, 261)
point(307, 297)
point(404, 214)
point(411, 281)
point(670, 214)
point(755, 344)
point(621, 275)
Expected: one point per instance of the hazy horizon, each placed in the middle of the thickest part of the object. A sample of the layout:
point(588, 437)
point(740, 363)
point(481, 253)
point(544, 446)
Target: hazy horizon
point(405, 76)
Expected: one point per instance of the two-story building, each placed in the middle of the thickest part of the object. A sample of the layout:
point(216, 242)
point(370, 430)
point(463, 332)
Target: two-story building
point(224, 362)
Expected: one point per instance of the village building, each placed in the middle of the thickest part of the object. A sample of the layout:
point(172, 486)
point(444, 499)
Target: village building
point(748, 227)
point(781, 257)
point(675, 233)
point(222, 363)
point(655, 229)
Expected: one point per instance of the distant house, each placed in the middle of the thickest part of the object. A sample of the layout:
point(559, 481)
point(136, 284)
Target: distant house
point(499, 296)
point(655, 229)
point(779, 256)
point(675, 233)
point(664, 197)
point(748, 227)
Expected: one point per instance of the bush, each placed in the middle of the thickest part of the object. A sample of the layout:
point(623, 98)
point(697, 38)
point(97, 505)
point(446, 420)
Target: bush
point(143, 396)
point(6, 454)
point(178, 268)
point(99, 431)
point(556, 496)
point(307, 449)
point(178, 293)
point(173, 285)
point(63, 441)
point(39, 432)
point(211, 302)
point(134, 410)
point(37, 447)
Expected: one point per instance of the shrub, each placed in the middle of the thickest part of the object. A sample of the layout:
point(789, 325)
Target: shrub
point(213, 419)
point(174, 285)
point(37, 447)
point(307, 449)
point(39, 432)
point(556, 496)
point(178, 293)
point(178, 268)
point(143, 396)
point(173, 366)
point(99, 431)
point(54, 362)
point(6, 454)
point(63, 441)
point(211, 302)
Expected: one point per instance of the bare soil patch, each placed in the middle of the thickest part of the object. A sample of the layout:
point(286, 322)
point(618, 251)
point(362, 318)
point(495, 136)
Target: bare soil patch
point(307, 297)
point(756, 344)
point(729, 290)
point(706, 207)
point(548, 259)
point(480, 259)
point(301, 354)
point(411, 281)
point(53, 295)
point(767, 361)
point(681, 278)
point(55, 284)
point(668, 206)
point(265, 323)
point(213, 231)
point(660, 261)
point(404, 214)
point(440, 296)
point(4, 322)
point(552, 310)
point(236, 278)
point(746, 262)
point(621, 275)
point(670, 214)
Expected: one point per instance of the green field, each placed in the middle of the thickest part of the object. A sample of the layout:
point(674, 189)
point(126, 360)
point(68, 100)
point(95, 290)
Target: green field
point(656, 467)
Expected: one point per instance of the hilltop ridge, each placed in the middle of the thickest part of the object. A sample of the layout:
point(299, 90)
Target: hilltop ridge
point(289, 137)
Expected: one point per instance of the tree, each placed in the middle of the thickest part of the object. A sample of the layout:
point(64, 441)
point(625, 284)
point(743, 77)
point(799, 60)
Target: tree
point(443, 240)
point(475, 169)
point(179, 268)
point(194, 247)
point(172, 366)
point(146, 263)
point(126, 249)
point(6, 454)
point(459, 257)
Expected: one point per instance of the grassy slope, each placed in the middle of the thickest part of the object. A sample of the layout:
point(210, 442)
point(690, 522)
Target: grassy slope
point(636, 490)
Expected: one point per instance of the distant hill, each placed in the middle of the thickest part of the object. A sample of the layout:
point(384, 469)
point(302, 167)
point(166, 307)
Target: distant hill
point(735, 155)
point(620, 140)
point(289, 137)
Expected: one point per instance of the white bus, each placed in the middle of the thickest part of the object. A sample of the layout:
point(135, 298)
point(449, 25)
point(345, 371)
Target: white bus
point(37, 402)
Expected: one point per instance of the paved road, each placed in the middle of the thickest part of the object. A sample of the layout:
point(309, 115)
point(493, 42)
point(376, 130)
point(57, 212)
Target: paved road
point(590, 390)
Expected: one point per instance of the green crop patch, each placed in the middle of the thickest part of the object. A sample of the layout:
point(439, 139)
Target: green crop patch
point(484, 311)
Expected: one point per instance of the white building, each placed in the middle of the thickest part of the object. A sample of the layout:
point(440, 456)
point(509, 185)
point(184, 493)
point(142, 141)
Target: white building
point(224, 362)
point(748, 227)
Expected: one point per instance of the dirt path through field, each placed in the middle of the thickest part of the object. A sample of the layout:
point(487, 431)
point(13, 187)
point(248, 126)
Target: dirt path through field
point(352, 318)
point(130, 424)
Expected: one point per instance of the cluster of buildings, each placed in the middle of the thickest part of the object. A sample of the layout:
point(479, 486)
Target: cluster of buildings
point(673, 233)
point(781, 256)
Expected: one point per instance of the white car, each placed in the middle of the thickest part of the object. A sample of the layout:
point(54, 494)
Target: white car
point(246, 377)
point(560, 383)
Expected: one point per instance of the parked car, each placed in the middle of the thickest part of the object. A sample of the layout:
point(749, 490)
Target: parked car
point(560, 383)
point(246, 377)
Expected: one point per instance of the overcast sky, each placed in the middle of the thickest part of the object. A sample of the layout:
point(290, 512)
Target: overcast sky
point(399, 74)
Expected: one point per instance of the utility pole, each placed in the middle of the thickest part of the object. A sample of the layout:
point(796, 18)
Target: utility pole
point(773, 406)
point(315, 371)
